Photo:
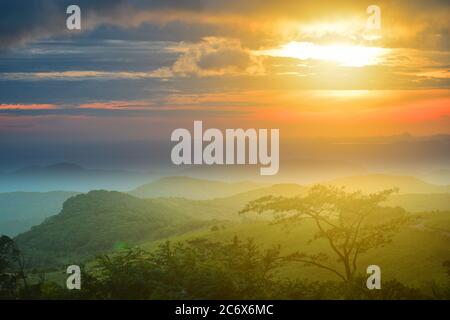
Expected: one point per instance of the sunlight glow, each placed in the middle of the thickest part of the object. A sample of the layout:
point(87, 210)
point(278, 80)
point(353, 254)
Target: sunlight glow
point(345, 55)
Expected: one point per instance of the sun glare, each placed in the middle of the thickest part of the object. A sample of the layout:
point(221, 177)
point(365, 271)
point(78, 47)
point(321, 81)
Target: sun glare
point(345, 55)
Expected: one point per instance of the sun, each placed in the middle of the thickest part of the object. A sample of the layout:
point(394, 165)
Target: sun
point(342, 54)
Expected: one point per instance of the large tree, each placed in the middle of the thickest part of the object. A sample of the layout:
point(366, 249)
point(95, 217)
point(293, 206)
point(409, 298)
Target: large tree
point(350, 223)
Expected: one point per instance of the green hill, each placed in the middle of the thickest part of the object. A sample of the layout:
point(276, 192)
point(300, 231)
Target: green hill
point(192, 188)
point(414, 257)
point(101, 221)
point(227, 208)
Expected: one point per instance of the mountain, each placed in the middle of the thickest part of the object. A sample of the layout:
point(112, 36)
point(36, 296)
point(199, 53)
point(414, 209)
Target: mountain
point(58, 168)
point(281, 189)
point(100, 221)
point(421, 202)
point(21, 210)
point(441, 176)
point(378, 182)
point(293, 170)
point(192, 188)
point(413, 202)
point(226, 208)
point(308, 161)
point(70, 176)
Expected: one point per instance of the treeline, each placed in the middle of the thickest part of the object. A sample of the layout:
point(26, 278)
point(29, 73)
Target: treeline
point(198, 269)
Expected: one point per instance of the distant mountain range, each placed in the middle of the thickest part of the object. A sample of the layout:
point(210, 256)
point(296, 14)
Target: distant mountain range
point(21, 210)
point(58, 168)
point(69, 176)
point(192, 188)
point(441, 176)
point(201, 189)
point(378, 182)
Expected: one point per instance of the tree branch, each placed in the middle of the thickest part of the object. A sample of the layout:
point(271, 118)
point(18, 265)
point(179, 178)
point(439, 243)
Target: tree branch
point(320, 266)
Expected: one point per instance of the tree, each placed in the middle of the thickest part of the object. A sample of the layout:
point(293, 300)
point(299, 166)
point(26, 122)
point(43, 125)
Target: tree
point(350, 223)
point(9, 256)
point(196, 269)
point(442, 292)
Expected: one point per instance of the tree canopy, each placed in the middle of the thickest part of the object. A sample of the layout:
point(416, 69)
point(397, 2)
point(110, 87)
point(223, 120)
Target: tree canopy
point(350, 222)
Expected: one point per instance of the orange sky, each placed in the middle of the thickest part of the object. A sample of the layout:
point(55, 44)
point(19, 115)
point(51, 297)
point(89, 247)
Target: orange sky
point(309, 68)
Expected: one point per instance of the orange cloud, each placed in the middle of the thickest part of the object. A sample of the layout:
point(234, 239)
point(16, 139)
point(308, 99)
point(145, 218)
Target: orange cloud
point(28, 107)
point(117, 105)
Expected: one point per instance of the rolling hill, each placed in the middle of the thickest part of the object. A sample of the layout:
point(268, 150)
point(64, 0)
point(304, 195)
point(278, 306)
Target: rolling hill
point(192, 188)
point(98, 222)
point(378, 182)
point(415, 256)
point(416, 202)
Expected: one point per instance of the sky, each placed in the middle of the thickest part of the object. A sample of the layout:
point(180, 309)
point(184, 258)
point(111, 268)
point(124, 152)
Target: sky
point(139, 69)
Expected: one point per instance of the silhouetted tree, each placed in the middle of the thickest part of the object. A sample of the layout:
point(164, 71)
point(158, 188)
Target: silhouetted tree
point(350, 223)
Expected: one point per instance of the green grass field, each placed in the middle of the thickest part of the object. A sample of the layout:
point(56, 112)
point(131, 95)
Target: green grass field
point(414, 257)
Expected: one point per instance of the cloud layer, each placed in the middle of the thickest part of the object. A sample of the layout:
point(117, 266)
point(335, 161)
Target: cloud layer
point(164, 63)
point(263, 22)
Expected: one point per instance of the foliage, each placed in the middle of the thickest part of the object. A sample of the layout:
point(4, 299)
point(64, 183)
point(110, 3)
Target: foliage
point(351, 223)
point(98, 222)
point(197, 269)
point(207, 270)
point(443, 292)
point(9, 277)
point(351, 290)
point(342, 225)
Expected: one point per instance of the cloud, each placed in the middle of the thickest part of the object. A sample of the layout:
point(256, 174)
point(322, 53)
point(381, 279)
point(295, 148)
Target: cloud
point(209, 57)
point(215, 57)
point(77, 75)
point(24, 20)
point(218, 39)
point(18, 107)
point(254, 22)
point(117, 105)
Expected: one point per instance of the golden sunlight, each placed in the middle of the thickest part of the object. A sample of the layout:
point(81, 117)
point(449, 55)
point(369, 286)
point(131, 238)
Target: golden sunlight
point(343, 54)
